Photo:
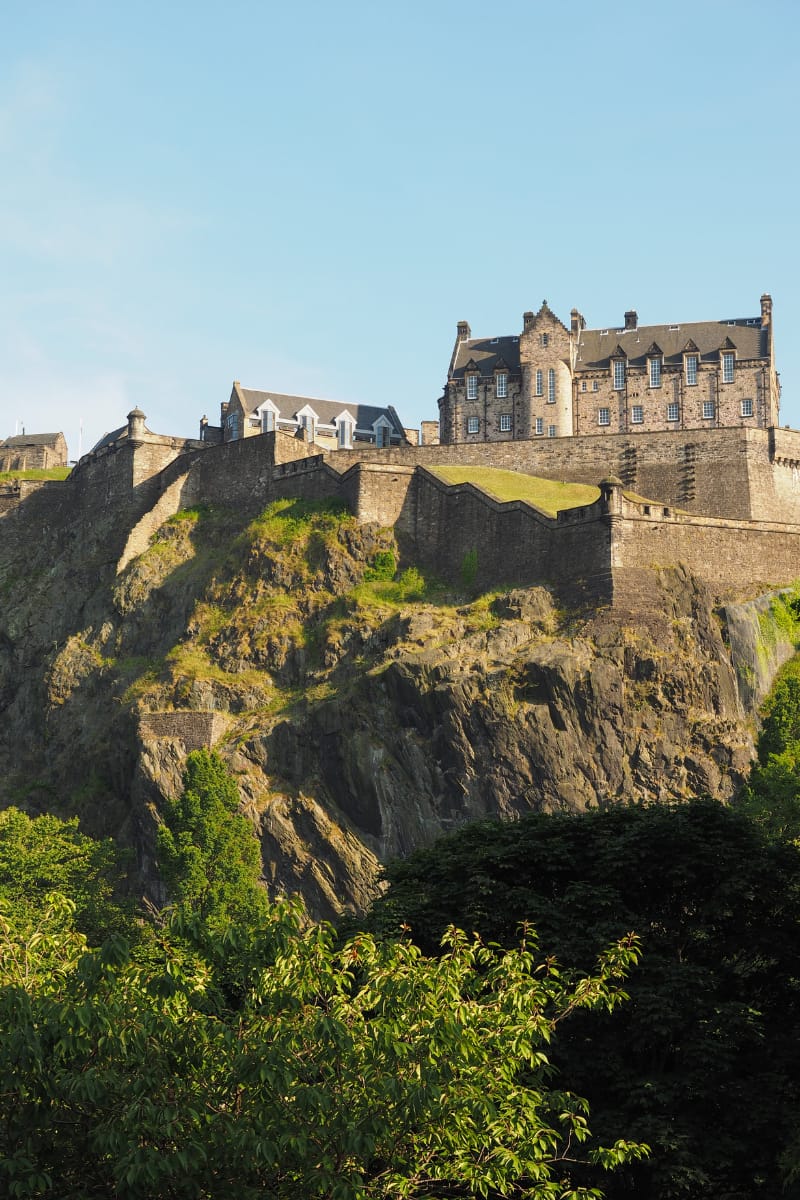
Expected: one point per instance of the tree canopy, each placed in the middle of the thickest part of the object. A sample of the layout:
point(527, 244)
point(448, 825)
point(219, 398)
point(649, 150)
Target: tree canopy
point(704, 1062)
point(355, 1070)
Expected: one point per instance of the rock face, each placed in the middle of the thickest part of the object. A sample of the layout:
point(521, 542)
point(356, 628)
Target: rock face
point(362, 717)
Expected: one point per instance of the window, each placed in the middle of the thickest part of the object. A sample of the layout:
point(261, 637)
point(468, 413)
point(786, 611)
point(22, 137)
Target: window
point(637, 413)
point(473, 424)
point(551, 431)
point(505, 422)
point(619, 374)
point(708, 410)
point(345, 431)
point(381, 434)
point(583, 385)
point(472, 387)
point(595, 385)
point(727, 366)
point(691, 370)
point(267, 420)
point(232, 422)
point(544, 339)
point(604, 416)
point(539, 384)
point(539, 425)
point(655, 372)
point(673, 412)
point(747, 408)
point(551, 386)
point(501, 384)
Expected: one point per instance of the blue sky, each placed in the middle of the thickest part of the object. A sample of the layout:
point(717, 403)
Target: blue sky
point(307, 198)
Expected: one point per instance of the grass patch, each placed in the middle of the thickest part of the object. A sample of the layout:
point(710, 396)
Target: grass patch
point(284, 521)
point(548, 495)
point(35, 473)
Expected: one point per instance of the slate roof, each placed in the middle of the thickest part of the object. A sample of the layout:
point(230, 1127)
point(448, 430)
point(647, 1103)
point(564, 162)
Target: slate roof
point(327, 410)
point(108, 438)
point(487, 354)
point(596, 346)
point(30, 439)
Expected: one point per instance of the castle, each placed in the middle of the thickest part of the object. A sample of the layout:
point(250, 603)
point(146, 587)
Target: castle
point(554, 381)
point(719, 494)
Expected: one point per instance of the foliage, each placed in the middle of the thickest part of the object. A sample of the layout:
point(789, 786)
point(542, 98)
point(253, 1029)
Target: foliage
point(781, 723)
point(367, 1071)
point(44, 855)
point(772, 794)
point(382, 568)
point(35, 473)
point(704, 1063)
point(208, 854)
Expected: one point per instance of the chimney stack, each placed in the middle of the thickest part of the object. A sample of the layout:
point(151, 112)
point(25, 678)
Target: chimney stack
point(463, 331)
point(631, 319)
point(576, 321)
point(527, 321)
point(766, 310)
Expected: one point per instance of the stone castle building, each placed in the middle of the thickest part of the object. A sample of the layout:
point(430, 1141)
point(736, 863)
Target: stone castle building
point(33, 451)
point(329, 424)
point(554, 381)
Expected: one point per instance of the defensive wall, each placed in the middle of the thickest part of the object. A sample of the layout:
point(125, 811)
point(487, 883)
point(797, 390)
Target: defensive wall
point(725, 502)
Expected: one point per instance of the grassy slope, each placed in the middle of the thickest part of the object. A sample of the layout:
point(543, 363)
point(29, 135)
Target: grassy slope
point(35, 473)
point(549, 495)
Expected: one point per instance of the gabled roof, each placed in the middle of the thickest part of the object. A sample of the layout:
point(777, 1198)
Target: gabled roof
point(596, 347)
point(327, 410)
point(487, 354)
point(31, 439)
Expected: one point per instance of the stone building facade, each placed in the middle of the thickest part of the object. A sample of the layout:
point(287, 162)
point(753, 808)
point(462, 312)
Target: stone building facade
point(553, 381)
point(329, 424)
point(33, 451)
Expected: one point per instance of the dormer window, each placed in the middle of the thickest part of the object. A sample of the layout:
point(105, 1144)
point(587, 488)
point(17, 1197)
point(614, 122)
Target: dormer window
point(382, 430)
point(267, 420)
point(472, 387)
point(691, 370)
point(344, 431)
point(501, 384)
point(618, 368)
point(728, 359)
point(655, 371)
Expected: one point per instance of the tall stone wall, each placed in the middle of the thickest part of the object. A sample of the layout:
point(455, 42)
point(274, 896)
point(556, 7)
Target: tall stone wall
point(459, 529)
point(722, 472)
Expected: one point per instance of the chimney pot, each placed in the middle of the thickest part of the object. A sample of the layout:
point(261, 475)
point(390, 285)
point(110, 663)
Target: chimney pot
point(631, 319)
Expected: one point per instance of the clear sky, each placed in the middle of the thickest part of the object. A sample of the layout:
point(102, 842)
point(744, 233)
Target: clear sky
point(308, 197)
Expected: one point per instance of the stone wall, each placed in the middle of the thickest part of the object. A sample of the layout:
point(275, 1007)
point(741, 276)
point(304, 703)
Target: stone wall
point(194, 730)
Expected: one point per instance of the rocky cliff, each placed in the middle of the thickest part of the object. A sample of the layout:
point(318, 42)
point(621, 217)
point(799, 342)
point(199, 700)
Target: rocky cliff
point(363, 710)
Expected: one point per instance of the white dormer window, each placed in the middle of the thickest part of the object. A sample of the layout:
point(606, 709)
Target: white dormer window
point(382, 430)
point(345, 427)
point(691, 370)
point(655, 371)
point(619, 374)
point(267, 418)
point(307, 419)
point(472, 387)
point(501, 384)
point(727, 366)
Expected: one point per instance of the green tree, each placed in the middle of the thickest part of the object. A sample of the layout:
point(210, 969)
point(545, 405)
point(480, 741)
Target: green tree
point(43, 855)
point(350, 1073)
point(208, 854)
point(704, 1063)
